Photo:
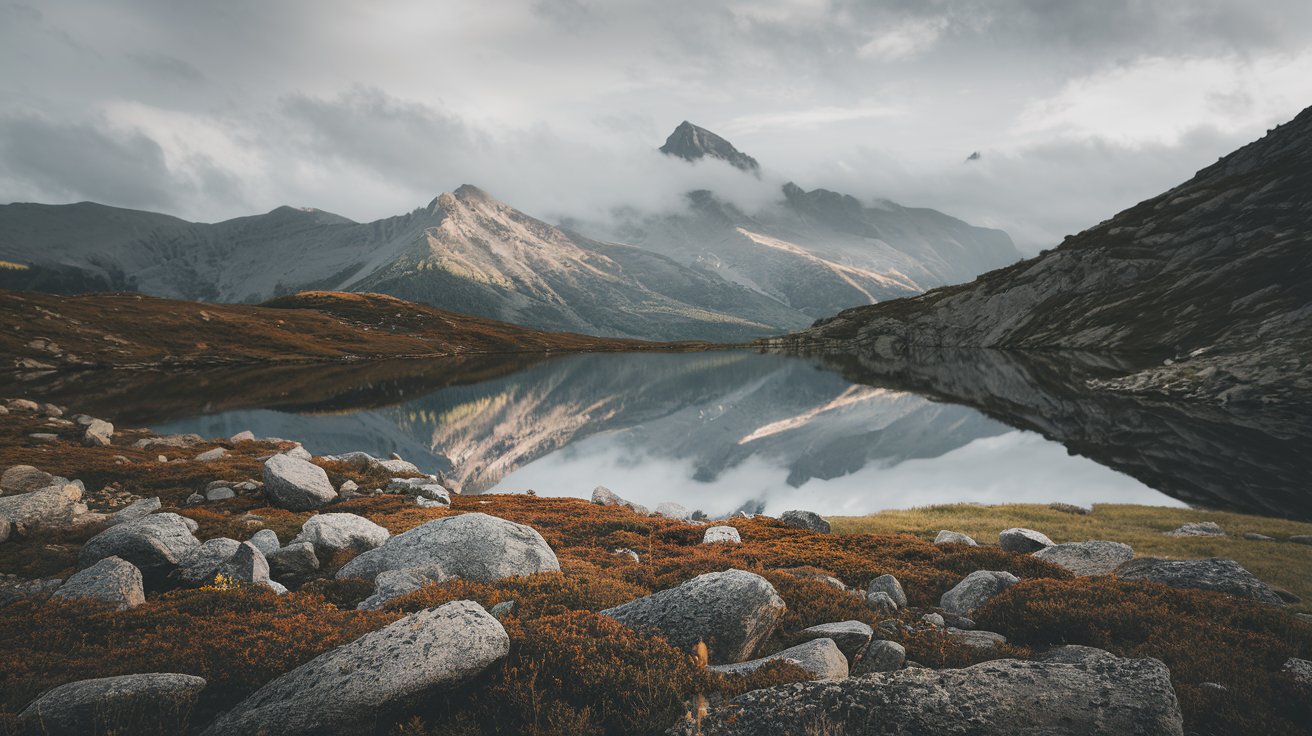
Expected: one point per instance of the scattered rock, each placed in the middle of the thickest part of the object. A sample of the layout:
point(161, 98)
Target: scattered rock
point(245, 436)
point(975, 589)
point(471, 546)
point(154, 544)
point(881, 603)
point(44, 437)
point(296, 484)
point(330, 533)
point(880, 655)
point(221, 493)
point(998, 698)
point(1070, 508)
point(851, 637)
point(819, 657)
point(22, 405)
point(348, 489)
point(1255, 537)
point(128, 704)
point(138, 509)
point(626, 552)
point(1094, 557)
point(720, 534)
point(889, 584)
point(25, 479)
point(112, 580)
point(217, 453)
point(294, 563)
point(199, 566)
point(1301, 539)
point(1018, 539)
point(805, 520)
point(99, 433)
point(733, 611)
point(671, 510)
point(349, 689)
point(947, 537)
point(422, 489)
point(247, 565)
point(603, 496)
point(934, 619)
point(1299, 669)
point(266, 541)
point(1217, 573)
point(1198, 529)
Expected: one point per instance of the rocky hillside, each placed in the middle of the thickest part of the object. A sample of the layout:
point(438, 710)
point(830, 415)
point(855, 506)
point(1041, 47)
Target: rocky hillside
point(1211, 277)
point(45, 332)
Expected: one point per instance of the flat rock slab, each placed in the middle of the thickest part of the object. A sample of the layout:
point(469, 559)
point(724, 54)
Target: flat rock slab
point(1095, 557)
point(1217, 573)
point(999, 698)
point(733, 612)
point(471, 546)
point(348, 689)
point(129, 704)
point(820, 657)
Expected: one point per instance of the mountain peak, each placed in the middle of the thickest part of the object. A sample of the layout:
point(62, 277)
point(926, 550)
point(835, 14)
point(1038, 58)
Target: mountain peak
point(692, 142)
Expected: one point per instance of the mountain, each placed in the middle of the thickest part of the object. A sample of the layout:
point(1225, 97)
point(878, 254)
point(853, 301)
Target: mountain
point(465, 251)
point(691, 143)
point(816, 252)
point(1209, 284)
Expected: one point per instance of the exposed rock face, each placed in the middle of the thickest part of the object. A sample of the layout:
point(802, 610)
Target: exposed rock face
point(112, 580)
point(721, 535)
point(820, 657)
point(947, 537)
point(1224, 254)
point(890, 585)
point(295, 484)
point(155, 544)
point(880, 656)
point(691, 143)
point(128, 704)
point(998, 698)
point(471, 546)
point(805, 520)
point(1217, 573)
point(332, 532)
point(1095, 557)
point(604, 496)
point(850, 636)
point(346, 690)
point(1023, 540)
point(733, 611)
point(25, 479)
point(975, 589)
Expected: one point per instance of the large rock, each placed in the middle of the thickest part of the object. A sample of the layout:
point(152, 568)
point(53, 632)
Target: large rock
point(733, 611)
point(1217, 573)
point(975, 589)
point(1095, 557)
point(819, 657)
point(806, 520)
point(113, 580)
point(348, 689)
point(266, 541)
point(672, 510)
point(471, 546)
point(603, 496)
point(199, 566)
point(294, 563)
point(999, 698)
point(296, 484)
point(880, 656)
point(1298, 669)
point(392, 584)
point(851, 636)
point(53, 507)
point(246, 565)
point(25, 479)
point(720, 535)
point(155, 544)
point(1018, 539)
point(330, 533)
point(129, 704)
point(99, 433)
point(949, 537)
point(890, 585)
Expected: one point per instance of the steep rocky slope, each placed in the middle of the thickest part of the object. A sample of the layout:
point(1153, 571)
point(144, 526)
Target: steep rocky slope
point(1214, 277)
point(692, 142)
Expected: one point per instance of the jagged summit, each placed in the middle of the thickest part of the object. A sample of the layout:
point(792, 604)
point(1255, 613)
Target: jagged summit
point(691, 142)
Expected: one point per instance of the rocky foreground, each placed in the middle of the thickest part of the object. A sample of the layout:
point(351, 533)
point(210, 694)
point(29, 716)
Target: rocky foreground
point(243, 586)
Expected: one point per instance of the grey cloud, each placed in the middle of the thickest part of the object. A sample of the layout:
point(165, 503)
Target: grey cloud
point(168, 66)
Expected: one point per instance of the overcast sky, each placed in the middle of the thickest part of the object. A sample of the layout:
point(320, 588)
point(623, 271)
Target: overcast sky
point(210, 110)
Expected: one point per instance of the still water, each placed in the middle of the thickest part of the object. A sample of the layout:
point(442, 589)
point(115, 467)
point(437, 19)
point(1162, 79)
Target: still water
point(718, 431)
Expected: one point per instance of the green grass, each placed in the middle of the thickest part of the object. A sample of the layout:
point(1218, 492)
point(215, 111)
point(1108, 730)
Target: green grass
point(1280, 563)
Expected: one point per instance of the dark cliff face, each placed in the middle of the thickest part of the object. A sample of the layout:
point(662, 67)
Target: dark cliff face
point(691, 142)
point(1215, 275)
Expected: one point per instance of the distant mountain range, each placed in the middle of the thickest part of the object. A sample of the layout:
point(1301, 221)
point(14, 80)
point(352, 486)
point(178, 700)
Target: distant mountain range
point(713, 272)
point(1208, 284)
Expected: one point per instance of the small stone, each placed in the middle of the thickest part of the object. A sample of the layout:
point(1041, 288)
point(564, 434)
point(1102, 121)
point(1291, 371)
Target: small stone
point(1070, 508)
point(808, 520)
point(221, 493)
point(1301, 539)
point(671, 510)
point(603, 496)
point(975, 589)
point(503, 609)
point(98, 433)
point(398, 466)
point(850, 636)
point(880, 655)
point(881, 603)
point(721, 534)
point(294, 563)
point(947, 537)
point(630, 554)
point(1198, 529)
point(217, 453)
point(246, 436)
point(194, 499)
point(821, 658)
point(1255, 537)
point(934, 619)
point(977, 639)
point(266, 541)
point(890, 585)
point(348, 488)
point(1019, 539)
point(44, 437)
point(247, 565)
